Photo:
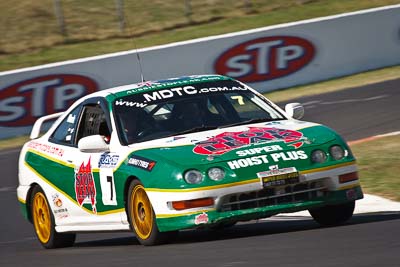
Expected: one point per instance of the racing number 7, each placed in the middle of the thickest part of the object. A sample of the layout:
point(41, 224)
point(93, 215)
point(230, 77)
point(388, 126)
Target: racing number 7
point(107, 184)
point(110, 180)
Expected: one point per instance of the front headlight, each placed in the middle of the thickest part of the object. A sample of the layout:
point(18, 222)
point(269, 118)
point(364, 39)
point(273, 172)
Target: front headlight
point(336, 152)
point(193, 177)
point(216, 174)
point(318, 156)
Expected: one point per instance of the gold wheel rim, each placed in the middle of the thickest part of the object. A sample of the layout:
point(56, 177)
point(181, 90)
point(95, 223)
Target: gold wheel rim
point(142, 212)
point(41, 217)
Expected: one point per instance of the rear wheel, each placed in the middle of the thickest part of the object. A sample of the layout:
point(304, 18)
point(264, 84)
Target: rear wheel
point(334, 214)
point(142, 217)
point(44, 225)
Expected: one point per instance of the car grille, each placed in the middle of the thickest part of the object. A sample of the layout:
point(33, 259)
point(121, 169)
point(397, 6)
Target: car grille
point(272, 196)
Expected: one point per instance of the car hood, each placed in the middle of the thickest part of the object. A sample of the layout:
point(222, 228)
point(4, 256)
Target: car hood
point(231, 143)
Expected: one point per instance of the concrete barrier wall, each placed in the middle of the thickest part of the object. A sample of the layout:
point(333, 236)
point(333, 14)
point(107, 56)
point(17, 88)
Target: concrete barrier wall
point(267, 58)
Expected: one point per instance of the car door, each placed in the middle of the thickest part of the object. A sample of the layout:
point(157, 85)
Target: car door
point(91, 186)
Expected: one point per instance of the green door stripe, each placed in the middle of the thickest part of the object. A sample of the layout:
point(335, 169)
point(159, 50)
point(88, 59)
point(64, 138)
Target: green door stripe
point(67, 196)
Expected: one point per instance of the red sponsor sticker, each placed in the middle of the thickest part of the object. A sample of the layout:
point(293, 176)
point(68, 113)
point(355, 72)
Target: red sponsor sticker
point(225, 142)
point(57, 200)
point(265, 58)
point(201, 219)
point(21, 104)
point(46, 148)
point(85, 188)
point(351, 194)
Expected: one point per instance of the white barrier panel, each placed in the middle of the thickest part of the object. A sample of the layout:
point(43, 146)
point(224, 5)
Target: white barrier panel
point(266, 58)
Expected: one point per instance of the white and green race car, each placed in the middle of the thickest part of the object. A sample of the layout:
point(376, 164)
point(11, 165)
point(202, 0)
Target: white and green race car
point(190, 152)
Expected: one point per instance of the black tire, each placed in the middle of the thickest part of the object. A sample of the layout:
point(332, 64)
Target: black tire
point(44, 224)
point(142, 218)
point(333, 215)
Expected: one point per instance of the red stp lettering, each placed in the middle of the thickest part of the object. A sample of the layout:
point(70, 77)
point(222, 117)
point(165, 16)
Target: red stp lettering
point(22, 103)
point(265, 58)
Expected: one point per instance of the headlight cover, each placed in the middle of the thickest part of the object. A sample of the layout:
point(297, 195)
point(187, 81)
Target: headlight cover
point(216, 174)
point(193, 177)
point(318, 156)
point(337, 152)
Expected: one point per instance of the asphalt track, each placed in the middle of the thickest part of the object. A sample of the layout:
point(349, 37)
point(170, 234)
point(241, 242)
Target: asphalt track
point(367, 240)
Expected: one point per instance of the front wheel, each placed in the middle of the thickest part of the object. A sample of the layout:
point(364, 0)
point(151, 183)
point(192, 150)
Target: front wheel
point(44, 225)
point(142, 217)
point(334, 214)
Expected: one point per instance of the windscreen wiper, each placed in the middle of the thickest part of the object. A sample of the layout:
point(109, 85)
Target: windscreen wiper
point(249, 121)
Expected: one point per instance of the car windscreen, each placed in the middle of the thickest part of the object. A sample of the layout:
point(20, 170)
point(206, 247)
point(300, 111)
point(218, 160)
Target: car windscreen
point(191, 108)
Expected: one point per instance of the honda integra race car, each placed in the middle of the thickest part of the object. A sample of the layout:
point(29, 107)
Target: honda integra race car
point(190, 152)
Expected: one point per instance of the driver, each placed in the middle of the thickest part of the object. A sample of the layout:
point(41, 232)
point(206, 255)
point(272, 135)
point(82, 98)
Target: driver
point(136, 124)
point(194, 112)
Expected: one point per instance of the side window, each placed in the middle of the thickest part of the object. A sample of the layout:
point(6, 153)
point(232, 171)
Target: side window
point(93, 122)
point(66, 131)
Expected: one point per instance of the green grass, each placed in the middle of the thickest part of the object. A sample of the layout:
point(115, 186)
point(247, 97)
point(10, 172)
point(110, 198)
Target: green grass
point(30, 33)
point(379, 166)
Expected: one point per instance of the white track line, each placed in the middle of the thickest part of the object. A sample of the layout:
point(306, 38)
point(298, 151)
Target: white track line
point(8, 189)
point(369, 204)
point(367, 139)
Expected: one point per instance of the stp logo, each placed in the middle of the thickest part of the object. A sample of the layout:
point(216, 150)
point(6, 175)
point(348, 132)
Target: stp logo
point(22, 103)
point(265, 58)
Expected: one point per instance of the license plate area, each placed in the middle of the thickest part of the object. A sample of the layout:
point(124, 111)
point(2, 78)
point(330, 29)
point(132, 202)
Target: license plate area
point(279, 177)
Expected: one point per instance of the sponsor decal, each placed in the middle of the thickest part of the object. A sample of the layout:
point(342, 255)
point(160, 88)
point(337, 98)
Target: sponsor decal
point(274, 167)
point(187, 90)
point(71, 118)
point(265, 58)
point(175, 82)
point(262, 159)
point(246, 162)
point(46, 148)
point(57, 200)
point(24, 102)
point(258, 150)
point(351, 194)
point(175, 138)
point(174, 93)
point(59, 212)
point(147, 84)
point(228, 141)
point(288, 155)
point(85, 188)
point(201, 219)
point(108, 161)
point(121, 102)
point(142, 163)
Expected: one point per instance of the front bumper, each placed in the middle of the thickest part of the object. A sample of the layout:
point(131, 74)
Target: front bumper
point(248, 200)
point(212, 217)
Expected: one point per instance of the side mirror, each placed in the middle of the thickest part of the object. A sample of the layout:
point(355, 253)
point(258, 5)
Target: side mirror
point(93, 143)
point(294, 110)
